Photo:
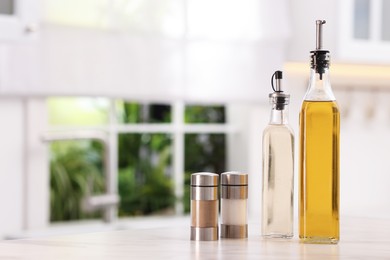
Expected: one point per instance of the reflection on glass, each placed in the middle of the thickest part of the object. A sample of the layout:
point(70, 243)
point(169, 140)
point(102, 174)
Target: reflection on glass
point(385, 20)
point(7, 7)
point(361, 19)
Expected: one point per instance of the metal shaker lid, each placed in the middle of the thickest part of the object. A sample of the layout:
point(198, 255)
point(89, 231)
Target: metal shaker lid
point(234, 178)
point(204, 179)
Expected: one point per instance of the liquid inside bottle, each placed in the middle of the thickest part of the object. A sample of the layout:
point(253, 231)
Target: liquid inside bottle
point(278, 170)
point(319, 182)
point(278, 181)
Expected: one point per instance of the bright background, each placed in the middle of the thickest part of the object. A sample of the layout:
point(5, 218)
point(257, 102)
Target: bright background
point(109, 105)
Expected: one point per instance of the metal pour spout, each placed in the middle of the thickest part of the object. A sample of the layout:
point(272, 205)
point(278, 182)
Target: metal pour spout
point(278, 80)
point(319, 24)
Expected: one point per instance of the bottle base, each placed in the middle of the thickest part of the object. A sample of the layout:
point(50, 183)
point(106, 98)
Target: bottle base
point(318, 240)
point(277, 235)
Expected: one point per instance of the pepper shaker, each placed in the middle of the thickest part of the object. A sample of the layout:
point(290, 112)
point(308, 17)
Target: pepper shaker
point(204, 206)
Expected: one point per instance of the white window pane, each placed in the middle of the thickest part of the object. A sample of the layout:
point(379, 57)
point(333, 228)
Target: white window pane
point(85, 13)
point(385, 20)
point(7, 7)
point(361, 21)
point(80, 111)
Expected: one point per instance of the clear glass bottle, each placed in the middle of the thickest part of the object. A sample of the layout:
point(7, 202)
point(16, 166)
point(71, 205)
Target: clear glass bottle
point(278, 168)
point(319, 154)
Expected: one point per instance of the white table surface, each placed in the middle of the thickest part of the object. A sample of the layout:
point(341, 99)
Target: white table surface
point(360, 239)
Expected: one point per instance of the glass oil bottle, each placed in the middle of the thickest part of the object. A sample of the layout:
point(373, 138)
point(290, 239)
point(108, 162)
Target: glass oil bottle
point(319, 153)
point(278, 167)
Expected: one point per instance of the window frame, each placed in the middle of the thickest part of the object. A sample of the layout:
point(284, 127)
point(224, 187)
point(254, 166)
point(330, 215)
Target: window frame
point(368, 50)
point(177, 128)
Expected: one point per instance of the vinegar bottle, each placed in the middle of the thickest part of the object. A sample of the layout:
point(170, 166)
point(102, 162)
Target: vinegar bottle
point(319, 154)
point(278, 168)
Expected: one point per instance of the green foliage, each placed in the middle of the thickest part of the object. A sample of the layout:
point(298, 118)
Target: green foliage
point(205, 152)
point(75, 167)
point(144, 162)
point(151, 193)
point(144, 182)
point(129, 146)
point(204, 114)
point(130, 112)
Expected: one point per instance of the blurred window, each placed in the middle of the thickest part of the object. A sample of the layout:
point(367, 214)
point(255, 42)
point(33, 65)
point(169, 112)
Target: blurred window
point(364, 31)
point(361, 23)
point(146, 132)
point(7, 7)
point(371, 12)
point(386, 20)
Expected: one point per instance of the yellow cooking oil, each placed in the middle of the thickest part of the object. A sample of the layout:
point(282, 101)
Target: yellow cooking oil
point(319, 172)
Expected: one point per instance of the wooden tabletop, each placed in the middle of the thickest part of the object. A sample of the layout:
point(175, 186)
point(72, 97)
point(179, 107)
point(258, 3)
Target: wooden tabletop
point(360, 239)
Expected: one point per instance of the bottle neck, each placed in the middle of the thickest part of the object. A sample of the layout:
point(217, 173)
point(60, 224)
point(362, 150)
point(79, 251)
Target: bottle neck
point(319, 86)
point(279, 116)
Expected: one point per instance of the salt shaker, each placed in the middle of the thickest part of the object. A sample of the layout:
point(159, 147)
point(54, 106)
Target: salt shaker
point(234, 197)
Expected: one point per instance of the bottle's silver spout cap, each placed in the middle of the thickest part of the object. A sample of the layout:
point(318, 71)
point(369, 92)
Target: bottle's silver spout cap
point(278, 75)
point(319, 24)
point(278, 98)
point(320, 58)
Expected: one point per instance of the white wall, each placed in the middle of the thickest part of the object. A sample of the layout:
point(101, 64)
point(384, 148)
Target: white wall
point(11, 165)
point(304, 13)
point(365, 154)
point(37, 178)
point(24, 175)
point(86, 62)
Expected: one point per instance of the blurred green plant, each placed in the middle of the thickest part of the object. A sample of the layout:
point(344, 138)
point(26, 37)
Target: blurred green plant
point(151, 193)
point(145, 186)
point(75, 167)
point(204, 114)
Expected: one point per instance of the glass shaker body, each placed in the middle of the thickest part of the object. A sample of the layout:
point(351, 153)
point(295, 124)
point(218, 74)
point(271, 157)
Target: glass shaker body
point(204, 206)
point(234, 197)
